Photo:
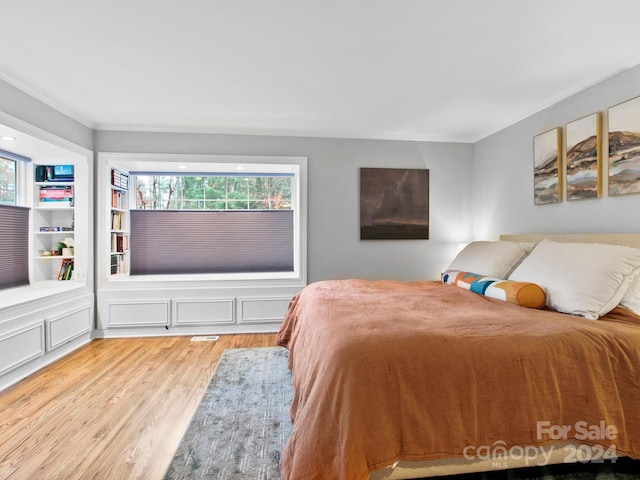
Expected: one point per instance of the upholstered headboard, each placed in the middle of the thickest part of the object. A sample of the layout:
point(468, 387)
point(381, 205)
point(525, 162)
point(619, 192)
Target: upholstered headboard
point(626, 239)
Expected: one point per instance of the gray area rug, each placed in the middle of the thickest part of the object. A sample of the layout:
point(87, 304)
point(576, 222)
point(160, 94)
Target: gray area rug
point(242, 425)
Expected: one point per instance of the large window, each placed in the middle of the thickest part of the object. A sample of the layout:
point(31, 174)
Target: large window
point(240, 221)
point(212, 224)
point(213, 192)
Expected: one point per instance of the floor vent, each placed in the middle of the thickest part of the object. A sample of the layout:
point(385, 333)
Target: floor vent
point(205, 338)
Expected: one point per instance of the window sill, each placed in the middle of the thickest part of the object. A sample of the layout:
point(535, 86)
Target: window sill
point(17, 296)
point(284, 279)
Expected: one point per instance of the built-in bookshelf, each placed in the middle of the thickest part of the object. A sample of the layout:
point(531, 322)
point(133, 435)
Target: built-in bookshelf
point(46, 319)
point(53, 222)
point(119, 231)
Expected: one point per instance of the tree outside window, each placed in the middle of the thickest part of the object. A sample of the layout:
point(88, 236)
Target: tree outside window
point(7, 181)
point(213, 192)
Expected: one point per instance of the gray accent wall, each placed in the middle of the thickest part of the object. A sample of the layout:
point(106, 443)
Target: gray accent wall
point(477, 191)
point(28, 109)
point(334, 246)
point(503, 172)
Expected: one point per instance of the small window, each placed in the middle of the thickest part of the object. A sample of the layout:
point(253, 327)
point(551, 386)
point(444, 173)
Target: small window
point(7, 181)
point(14, 246)
point(14, 230)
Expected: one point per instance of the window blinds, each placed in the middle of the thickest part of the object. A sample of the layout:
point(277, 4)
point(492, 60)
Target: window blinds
point(14, 246)
point(235, 241)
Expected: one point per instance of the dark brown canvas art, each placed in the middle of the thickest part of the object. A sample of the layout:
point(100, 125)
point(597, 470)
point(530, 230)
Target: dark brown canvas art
point(394, 203)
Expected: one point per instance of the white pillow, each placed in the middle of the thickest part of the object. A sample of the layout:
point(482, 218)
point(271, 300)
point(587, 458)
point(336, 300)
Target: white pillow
point(491, 259)
point(586, 279)
point(631, 299)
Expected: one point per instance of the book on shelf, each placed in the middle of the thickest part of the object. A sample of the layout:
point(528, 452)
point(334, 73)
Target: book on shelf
point(117, 199)
point(55, 195)
point(56, 229)
point(65, 270)
point(119, 242)
point(119, 179)
point(54, 173)
point(117, 264)
point(116, 221)
point(56, 191)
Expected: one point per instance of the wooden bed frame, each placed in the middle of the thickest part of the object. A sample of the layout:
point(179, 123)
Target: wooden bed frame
point(404, 469)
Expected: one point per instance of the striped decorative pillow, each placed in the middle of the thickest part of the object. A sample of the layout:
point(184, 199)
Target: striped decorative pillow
point(521, 293)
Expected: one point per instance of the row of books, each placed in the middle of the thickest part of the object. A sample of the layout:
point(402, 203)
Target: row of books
point(56, 194)
point(65, 271)
point(117, 199)
point(54, 173)
point(117, 264)
point(119, 179)
point(116, 221)
point(119, 242)
point(56, 229)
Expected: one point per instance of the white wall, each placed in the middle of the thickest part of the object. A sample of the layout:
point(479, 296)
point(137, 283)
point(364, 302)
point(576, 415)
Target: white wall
point(503, 173)
point(334, 246)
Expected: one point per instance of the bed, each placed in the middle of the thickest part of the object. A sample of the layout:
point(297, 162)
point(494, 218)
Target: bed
point(416, 379)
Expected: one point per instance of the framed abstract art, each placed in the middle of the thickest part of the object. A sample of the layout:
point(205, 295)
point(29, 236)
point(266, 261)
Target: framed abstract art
point(624, 147)
point(582, 158)
point(394, 203)
point(547, 178)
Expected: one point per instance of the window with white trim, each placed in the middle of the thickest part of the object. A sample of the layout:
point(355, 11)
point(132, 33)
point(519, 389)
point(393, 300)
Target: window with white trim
point(7, 181)
point(14, 225)
point(260, 191)
point(212, 224)
point(224, 220)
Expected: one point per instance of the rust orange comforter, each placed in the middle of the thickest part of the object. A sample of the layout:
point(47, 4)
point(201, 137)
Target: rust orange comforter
point(387, 370)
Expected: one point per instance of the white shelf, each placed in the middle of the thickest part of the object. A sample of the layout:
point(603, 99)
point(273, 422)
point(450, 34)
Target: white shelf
point(39, 290)
point(50, 184)
point(118, 215)
point(58, 213)
point(52, 257)
point(64, 206)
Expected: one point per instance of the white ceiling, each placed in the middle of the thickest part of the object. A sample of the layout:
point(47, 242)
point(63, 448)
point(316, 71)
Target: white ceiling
point(442, 70)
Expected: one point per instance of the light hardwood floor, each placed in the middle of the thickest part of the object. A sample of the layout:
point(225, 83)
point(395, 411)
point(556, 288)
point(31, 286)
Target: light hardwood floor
point(114, 409)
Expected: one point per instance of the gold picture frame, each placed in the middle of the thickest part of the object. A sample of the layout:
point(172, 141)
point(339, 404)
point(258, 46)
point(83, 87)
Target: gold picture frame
point(547, 159)
point(583, 160)
point(624, 147)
